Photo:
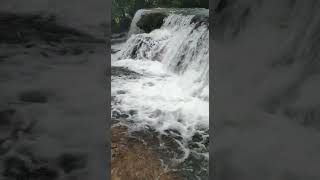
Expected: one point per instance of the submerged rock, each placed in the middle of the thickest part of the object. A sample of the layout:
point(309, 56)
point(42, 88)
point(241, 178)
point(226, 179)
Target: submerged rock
point(123, 72)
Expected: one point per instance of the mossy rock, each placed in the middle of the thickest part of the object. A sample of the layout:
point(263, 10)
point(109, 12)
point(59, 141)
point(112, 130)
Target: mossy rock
point(151, 21)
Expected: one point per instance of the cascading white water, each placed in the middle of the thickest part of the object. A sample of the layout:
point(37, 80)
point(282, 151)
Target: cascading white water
point(172, 92)
point(180, 45)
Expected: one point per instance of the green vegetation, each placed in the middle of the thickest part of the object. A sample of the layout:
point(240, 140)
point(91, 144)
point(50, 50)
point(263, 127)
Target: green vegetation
point(124, 10)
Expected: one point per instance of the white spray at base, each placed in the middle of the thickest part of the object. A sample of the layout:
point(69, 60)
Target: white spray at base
point(172, 92)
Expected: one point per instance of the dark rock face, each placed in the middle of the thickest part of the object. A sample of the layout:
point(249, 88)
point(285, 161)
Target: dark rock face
point(124, 72)
point(200, 19)
point(151, 21)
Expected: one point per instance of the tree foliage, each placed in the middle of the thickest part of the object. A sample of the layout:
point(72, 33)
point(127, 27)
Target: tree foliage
point(124, 10)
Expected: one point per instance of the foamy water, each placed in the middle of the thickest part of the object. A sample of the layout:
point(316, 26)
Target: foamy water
point(171, 92)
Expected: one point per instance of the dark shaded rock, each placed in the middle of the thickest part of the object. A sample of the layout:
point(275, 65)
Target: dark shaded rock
point(172, 131)
point(206, 142)
point(133, 112)
point(34, 96)
point(151, 21)
point(69, 162)
point(174, 134)
point(117, 114)
point(172, 147)
point(200, 19)
point(197, 137)
point(193, 146)
point(121, 72)
point(142, 45)
point(114, 51)
point(121, 92)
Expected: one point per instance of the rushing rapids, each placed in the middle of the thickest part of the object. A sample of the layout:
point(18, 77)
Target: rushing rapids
point(162, 82)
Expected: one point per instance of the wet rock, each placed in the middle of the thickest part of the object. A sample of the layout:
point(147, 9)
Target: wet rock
point(132, 159)
point(151, 21)
point(133, 112)
point(121, 92)
point(174, 134)
point(121, 71)
point(172, 147)
point(140, 46)
point(119, 115)
point(69, 162)
point(34, 96)
point(206, 142)
point(200, 19)
point(114, 51)
point(193, 146)
point(197, 137)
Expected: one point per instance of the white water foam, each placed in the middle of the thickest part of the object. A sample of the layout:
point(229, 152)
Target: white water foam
point(172, 92)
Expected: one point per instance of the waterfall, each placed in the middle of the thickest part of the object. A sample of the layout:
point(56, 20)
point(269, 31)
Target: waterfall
point(181, 45)
point(164, 80)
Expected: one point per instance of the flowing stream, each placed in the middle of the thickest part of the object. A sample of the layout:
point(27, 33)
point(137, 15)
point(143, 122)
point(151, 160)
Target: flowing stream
point(160, 80)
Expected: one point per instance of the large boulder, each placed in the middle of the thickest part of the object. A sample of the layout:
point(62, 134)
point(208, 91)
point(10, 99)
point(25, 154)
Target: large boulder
point(151, 21)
